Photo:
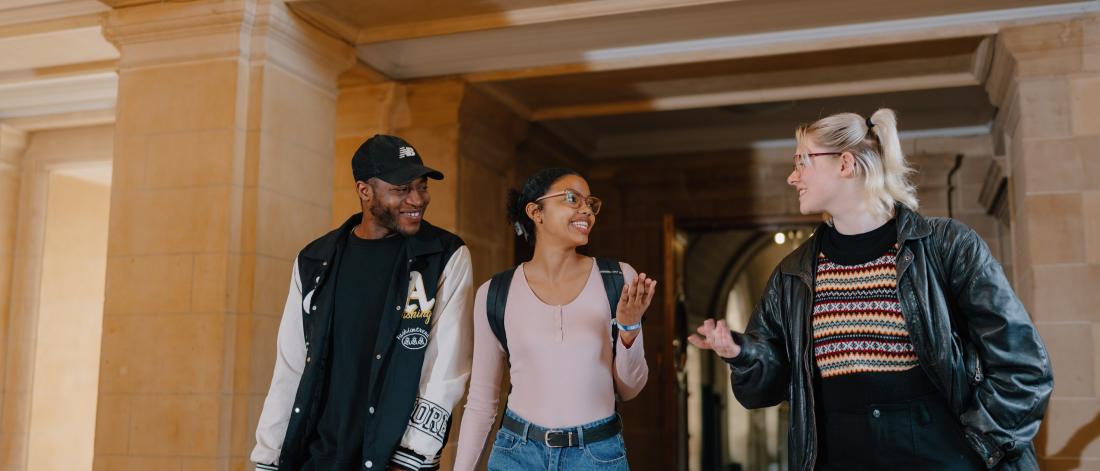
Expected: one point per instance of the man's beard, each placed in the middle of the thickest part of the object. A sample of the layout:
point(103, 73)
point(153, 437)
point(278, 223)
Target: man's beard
point(385, 218)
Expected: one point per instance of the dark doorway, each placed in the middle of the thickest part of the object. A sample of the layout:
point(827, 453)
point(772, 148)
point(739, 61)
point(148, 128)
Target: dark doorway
point(718, 269)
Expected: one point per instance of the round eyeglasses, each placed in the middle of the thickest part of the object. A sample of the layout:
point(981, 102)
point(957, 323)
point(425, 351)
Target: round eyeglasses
point(575, 200)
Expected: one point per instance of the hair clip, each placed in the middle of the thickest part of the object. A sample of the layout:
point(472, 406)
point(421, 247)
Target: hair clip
point(519, 228)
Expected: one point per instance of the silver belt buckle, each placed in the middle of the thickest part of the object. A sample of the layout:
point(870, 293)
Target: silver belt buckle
point(568, 435)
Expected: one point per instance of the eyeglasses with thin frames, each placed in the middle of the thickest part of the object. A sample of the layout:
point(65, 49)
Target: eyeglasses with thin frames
point(574, 200)
point(801, 159)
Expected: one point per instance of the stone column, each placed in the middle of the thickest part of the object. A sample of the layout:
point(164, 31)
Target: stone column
point(14, 382)
point(363, 109)
point(222, 172)
point(1046, 83)
point(423, 112)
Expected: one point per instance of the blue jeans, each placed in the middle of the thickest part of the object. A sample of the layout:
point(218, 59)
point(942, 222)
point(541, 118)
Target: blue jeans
point(512, 452)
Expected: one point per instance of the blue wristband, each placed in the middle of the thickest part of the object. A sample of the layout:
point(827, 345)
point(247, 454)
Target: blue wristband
point(628, 328)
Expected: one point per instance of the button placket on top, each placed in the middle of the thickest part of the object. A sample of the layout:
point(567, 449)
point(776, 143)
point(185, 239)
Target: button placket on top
point(561, 323)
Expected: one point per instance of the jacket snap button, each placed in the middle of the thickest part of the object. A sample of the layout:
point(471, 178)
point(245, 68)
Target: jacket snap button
point(378, 357)
point(876, 413)
point(297, 410)
point(324, 264)
point(368, 464)
point(397, 308)
point(371, 410)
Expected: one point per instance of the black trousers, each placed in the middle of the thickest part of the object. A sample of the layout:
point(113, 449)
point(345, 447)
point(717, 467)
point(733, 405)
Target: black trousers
point(921, 434)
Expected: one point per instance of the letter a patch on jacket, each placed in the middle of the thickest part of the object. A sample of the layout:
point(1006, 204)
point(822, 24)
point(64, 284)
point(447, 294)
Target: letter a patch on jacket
point(417, 306)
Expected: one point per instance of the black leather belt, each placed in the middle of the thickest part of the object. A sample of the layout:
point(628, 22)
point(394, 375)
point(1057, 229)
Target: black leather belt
point(564, 437)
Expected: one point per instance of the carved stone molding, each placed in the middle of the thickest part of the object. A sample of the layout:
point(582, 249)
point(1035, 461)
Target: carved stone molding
point(994, 195)
point(252, 30)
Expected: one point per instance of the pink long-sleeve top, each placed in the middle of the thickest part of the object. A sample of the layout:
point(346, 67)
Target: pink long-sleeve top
point(561, 364)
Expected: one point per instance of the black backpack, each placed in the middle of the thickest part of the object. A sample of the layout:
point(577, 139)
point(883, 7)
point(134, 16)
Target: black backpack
point(497, 298)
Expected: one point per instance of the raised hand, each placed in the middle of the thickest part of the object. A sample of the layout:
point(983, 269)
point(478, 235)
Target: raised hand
point(635, 299)
point(715, 336)
point(632, 305)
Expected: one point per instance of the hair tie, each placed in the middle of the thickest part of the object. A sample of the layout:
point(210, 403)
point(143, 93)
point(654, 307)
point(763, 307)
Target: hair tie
point(870, 124)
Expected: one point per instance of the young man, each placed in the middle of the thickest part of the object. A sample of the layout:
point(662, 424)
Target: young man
point(374, 347)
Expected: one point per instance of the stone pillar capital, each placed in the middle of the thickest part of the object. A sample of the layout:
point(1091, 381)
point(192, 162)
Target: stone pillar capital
point(170, 32)
point(255, 30)
point(13, 142)
point(1028, 53)
point(282, 38)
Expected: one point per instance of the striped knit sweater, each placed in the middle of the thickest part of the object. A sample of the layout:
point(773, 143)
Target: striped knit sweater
point(857, 322)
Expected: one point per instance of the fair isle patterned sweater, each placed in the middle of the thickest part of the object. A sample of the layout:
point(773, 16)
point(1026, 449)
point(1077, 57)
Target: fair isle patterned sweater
point(857, 321)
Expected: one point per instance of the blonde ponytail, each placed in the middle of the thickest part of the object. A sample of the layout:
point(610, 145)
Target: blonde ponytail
point(878, 157)
point(897, 170)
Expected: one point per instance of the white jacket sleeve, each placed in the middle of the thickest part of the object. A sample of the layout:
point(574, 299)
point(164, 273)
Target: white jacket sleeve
point(290, 360)
point(446, 368)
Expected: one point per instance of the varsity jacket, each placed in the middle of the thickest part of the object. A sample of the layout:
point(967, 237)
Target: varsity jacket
point(421, 362)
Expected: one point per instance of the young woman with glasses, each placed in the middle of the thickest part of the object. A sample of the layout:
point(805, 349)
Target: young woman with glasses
point(558, 328)
point(896, 338)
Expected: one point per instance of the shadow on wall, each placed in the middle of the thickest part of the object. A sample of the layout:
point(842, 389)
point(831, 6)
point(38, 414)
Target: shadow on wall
point(1073, 448)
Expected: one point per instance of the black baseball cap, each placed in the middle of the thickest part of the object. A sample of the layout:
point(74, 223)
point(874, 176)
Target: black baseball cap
point(390, 159)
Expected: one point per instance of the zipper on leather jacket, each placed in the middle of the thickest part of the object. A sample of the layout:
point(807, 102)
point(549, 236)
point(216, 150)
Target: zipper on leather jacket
point(977, 370)
point(978, 375)
point(912, 312)
point(808, 369)
point(810, 397)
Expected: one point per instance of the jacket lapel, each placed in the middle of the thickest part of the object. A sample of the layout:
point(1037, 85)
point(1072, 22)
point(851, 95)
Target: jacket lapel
point(417, 249)
point(911, 226)
point(802, 263)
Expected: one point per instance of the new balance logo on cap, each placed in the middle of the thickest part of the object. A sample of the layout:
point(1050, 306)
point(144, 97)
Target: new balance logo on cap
point(405, 152)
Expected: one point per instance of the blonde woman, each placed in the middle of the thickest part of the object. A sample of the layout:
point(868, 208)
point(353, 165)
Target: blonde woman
point(896, 338)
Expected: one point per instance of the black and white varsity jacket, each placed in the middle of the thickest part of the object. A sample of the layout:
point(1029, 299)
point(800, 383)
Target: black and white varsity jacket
point(422, 358)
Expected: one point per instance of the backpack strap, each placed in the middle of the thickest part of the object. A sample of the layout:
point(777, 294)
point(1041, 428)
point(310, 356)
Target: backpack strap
point(497, 297)
point(497, 300)
point(613, 281)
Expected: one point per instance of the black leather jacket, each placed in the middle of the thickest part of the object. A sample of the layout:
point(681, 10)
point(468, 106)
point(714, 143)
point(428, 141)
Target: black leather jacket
point(972, 336)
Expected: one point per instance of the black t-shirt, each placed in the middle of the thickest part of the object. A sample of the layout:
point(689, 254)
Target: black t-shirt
point(362, 282)
point(859, 248)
